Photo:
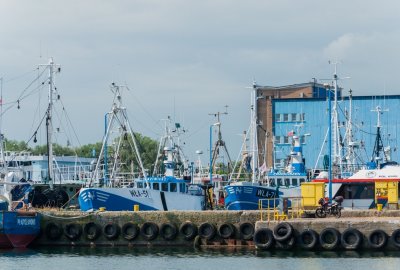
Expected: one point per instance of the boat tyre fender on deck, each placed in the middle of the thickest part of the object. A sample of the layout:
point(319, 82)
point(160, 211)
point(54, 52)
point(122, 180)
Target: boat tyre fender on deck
point(111, 231)
point(395, 238)
point(168, 231)
point(53, 231)
point(283, 231)
point(226, 230)
point(329, 238)
point(263, 239)
point(149, 230)
point(377, 239)
point(189, 230)
point(207, 230)
point(92, 231)
point(308, 239)
point(246, 230)
point(351, 239)
point(73, 231)
point(130, 231)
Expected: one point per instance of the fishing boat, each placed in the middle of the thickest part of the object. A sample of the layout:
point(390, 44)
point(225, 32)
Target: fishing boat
point(115, 191)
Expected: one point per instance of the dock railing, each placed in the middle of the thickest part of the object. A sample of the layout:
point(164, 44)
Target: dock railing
point(281, 208)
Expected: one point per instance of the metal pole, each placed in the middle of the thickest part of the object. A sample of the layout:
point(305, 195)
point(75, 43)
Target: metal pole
point(105, 151)
point(330, 147)
point(211, 155)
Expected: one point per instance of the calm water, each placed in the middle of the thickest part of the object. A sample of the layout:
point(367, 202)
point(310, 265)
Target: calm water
point(191, 259)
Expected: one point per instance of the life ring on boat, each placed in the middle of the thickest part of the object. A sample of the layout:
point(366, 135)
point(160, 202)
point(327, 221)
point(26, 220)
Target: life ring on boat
point(53, 231)
point(283, 231)
point(73, 231)
point(189, 230)
point(329, 238)
point(130, 231)
point(92, 231)
point(308, 239)
point(111, 231)
point(226, 230)
point(351, 239)
point(395, 238)
point(377, 239)
point(149, 230)
point(263, 238)
point(287, 244)
point(246, 230)
point(207, 230)
point(168, 231)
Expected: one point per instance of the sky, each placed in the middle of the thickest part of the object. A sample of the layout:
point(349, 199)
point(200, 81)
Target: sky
point(186, 59)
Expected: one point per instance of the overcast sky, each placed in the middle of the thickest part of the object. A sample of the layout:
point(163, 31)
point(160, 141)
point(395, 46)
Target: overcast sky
point(189, 58)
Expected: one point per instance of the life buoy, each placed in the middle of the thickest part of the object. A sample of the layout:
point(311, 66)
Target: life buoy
point(207, 230)
point(189, 230)
point(149, 230)
point(111, 231)
point(395, 238)
point(351, 239)
point(73, 231)
point(168, 231)
point(92, 231)
point(263, 239)
point(283, 231)
point(287, 244)
point(329, 238)
point(130, 231)
point(53, 231)
point(226, 230)
point(377, 239)
point(308, 239)
point(246, 230)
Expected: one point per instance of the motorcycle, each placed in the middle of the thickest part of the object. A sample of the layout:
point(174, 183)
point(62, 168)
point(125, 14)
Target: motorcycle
point(325, 208)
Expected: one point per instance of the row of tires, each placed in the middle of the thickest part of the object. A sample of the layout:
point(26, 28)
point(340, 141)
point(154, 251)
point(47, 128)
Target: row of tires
point(283, 236)
point(148, 230)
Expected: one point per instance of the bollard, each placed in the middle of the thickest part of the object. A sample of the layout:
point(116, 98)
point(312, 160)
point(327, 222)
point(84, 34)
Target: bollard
point(102, 209)
point(379, 207)
point(136, 208)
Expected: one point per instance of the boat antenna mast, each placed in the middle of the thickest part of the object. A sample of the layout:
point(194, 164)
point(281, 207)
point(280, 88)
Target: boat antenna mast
point(378, 146)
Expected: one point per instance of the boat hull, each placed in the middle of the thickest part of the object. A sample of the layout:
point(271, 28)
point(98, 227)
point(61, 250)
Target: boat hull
point(247, 197)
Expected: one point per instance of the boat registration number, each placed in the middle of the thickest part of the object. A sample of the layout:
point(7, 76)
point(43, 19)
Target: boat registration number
point(140, 193)
point(26, 222)
point(265, 193)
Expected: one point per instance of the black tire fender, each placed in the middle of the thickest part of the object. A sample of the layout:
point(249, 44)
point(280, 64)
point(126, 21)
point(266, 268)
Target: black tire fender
point(329, 238)
point(189, 230)
point(226, 230)
point(263, 239)
point(377, 239)
point(308, 239)
point(53, 231)
point(168, 231)
point(73, 231)
point(395, 238)
point(207, 230)
point(246, 230)
point(287, 244)
point(149, 230)
point(92, 231)
point(130, 231)
point(283, 231)
point(111, 231)
point(351, 239)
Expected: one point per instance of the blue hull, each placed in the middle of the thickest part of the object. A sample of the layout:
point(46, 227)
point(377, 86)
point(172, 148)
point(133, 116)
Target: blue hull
point(247, 197)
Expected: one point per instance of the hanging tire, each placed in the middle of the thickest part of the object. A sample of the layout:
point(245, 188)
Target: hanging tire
point(149, 230)
point(168, 231)
point(92, 231)
point(329, 238)
point(283, 231)
point(226, 230)
point(287, 244)
point(351, 239)
point(130, 231)
point(395, 238)
point(377, 239)
point(73, 231)
point(189, 230)
point(53, 231)
point(111, 231)
point(263, 239)
point(246, 230)
point(308, 239)
point(207, 230)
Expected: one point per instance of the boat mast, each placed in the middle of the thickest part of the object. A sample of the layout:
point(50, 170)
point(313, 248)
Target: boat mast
point(253, 134)
point(378, 147)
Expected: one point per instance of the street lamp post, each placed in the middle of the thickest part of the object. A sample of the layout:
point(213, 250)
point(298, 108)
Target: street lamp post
point(211, 167)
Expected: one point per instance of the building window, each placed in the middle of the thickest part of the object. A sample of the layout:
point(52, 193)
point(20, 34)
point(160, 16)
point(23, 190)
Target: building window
point(285, 139)
point(278, 139)
point(294, 117)
point(302, 117)
point(285, 117)
point(278, 117)
point(302, 139)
